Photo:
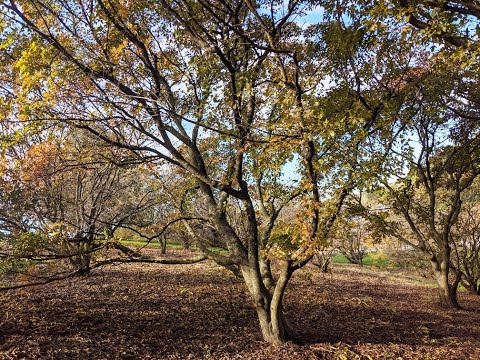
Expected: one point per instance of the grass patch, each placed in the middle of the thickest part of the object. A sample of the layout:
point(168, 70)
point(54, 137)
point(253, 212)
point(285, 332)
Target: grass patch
point(340, 259)
point(377, 259)
point(140, 243)
point(170, 246)
point(152, 244)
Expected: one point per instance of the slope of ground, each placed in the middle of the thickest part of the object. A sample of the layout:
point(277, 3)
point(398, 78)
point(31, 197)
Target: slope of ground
point(201, 312)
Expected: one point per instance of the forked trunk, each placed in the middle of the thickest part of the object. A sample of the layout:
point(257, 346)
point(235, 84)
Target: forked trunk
point(325, 266)
point(81, 261)
point(268, 306)
point(474, 289)
point(272, 325)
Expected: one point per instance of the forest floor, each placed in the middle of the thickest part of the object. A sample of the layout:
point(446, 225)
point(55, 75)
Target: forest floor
point(202, 312)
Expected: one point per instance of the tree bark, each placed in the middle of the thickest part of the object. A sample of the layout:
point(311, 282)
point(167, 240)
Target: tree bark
point(322, 261)
point(266, 271)
point(472, 289)
point(325, 266)
point(447, 291)
point(163, 244)
point(269, 306)
point(83, 262)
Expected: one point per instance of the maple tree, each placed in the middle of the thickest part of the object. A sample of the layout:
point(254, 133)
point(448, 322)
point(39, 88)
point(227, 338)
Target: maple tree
point(450, 22)
point(453, 22)
point(439, 102)
point(227, 93)
point(465, 241)
point(223, 91)
point(429, 198)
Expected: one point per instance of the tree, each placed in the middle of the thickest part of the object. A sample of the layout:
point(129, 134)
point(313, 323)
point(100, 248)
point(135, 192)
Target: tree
point(466, 241)
point(440, 107)
point(228, 93)
point(62, 201)
point(429, 198)
point(351, 239)
point(323, 259)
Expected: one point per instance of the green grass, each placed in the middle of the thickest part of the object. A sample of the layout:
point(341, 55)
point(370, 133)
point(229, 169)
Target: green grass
point(378, 259)
point(170, 246)
point(152, 244)
point(340, 259)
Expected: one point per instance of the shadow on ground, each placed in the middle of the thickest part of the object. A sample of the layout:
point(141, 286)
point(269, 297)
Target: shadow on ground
point(200, 311)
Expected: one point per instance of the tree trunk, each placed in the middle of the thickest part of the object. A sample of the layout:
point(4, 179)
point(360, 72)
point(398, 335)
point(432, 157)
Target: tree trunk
point(472, 289)
point(360, 261)
point(83, 262)
point(269, 306)
point(266, 271)
point(325, 266)
point(163, 244)
point(447, 292)
point(322, 261)
point(472, 286)
point(475, 289)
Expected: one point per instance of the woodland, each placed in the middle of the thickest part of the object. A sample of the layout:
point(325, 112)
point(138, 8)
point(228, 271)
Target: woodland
point(284, 179)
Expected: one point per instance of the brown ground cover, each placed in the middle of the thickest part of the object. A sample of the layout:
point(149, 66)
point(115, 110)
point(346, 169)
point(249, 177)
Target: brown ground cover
point(201, 312)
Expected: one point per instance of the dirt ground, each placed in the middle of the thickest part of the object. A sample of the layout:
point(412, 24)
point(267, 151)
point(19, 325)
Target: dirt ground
point(202, 312)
